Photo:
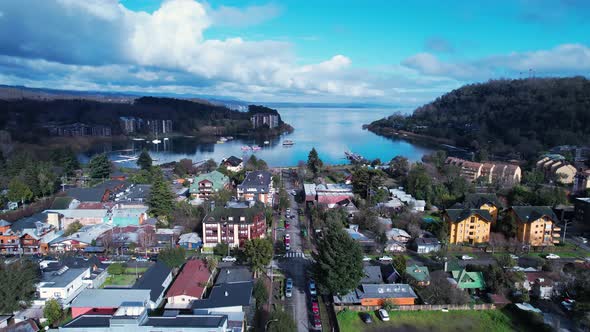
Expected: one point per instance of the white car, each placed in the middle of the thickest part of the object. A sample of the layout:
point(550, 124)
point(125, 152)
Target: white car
point(229, 259)
point(288, 211)
point(382, 313)
point(293, 192)
point(366, 259)
point(466, 257)
point(513, 256)
point(385, 259)
point(287, 237)
point(552, 256)
point(583, 239)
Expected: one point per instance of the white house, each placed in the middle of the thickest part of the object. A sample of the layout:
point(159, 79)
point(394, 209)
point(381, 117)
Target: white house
point(63, 285)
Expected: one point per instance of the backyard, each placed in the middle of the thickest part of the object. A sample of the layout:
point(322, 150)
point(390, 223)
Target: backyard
point(460, 320)
point(127, 278)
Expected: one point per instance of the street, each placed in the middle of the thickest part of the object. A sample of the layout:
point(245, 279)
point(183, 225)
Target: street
point(296, 266)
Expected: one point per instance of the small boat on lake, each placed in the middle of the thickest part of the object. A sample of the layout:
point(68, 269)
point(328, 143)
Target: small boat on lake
point(246, 148)
point(156, 141)
point(256, 148)
point(266, 142)
point(288, 142)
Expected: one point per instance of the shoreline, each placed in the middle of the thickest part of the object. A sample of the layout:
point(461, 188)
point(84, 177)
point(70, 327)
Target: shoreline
point(408, 135)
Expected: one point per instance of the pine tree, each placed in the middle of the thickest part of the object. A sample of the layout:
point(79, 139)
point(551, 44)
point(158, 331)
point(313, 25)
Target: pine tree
point(161, 200)
point(100, 167)
point(145, 160)
point(339, 266)
point(314, 163)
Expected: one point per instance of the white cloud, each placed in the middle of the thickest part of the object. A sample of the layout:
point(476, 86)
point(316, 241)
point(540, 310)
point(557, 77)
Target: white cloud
point(240, 17)
point(171, 40)
point(573, 59)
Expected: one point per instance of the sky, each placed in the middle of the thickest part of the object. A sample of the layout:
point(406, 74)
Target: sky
point(388, 52)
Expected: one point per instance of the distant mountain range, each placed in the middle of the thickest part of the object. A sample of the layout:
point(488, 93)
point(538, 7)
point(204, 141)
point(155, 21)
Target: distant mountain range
point(9, 92)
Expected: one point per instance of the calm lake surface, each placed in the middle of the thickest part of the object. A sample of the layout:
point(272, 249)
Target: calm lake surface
point(332, 131)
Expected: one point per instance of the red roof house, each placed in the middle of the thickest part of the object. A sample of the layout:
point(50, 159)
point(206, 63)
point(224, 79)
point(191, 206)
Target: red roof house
point(189, 285)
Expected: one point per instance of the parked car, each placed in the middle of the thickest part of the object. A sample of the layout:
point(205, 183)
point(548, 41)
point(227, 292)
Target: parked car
point(365, 317)
point(315, 307)
point(568, 304)
point(293, 192)
point(466, 257)
point(287, 237)
point(289, 287)
point(583, 239)
point(366, 259)
point(229, 259)
point(287, 225)
point(312, 288)
point(287, 246)
point(382, 313)
point(552, 256)
point(513, 256)
point(288, 211)
point(385, 259)
point(317, 322)
point(141, 259)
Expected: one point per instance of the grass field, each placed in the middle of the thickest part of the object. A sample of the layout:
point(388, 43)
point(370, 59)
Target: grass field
point(418, 321)
point(127, 278)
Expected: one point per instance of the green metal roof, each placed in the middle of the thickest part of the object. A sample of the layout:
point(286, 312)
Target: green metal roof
point(218, 179)
point(419, 273)
point(468, 280)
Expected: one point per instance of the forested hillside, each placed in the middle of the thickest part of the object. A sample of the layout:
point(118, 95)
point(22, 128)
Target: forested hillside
point(508, 117)
point(26, 119)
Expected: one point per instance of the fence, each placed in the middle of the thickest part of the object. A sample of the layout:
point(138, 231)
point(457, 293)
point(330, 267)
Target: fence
point(423, 307)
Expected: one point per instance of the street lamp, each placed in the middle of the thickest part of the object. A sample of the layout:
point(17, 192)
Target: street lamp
point(270, 321)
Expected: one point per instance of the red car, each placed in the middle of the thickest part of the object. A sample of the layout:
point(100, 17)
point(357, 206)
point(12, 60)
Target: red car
point(287, 225)
point(315, 308)
point(317, 322)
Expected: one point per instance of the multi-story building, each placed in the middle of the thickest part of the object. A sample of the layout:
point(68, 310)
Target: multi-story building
point(488, 202)
point(78, 130)
point(581, 182)
point(130, 124)
point(504, 174)
point(159, 127)
point(537, 225)
point(260, 120)
point(9, 240)
point(555, 166)
point(582, 211)
point(208, 183)
point(257, 186)
point(468, 225)
point(233, 226)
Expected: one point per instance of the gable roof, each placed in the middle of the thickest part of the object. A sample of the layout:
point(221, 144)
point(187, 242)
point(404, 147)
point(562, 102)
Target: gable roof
point(4, 223)
point(427, 241)
point(232, 161)
point(386, 291)
point(457, 215)
point(29, 222)
point(227, 295)
point(475, 201)
point(468, 280)
point(372, 275)
point(259, 180)
point(61, 203)
point(191, 281)
point(218, 179)
point(222, 214)
point(86, 194)
point(419, 273)
point(528, 214)
point(153, 279)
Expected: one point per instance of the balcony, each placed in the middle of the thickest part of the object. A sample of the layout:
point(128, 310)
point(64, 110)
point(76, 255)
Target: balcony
point(557, 229)
point(555, 242)
point(556, 235)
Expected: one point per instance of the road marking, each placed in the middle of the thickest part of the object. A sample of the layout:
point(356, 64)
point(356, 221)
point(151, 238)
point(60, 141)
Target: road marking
point(291, 254)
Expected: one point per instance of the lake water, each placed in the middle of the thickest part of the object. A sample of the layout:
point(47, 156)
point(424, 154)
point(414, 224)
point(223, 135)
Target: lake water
point(332, 131)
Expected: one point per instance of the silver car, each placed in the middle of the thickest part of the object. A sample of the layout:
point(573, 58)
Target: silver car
point(289, 287)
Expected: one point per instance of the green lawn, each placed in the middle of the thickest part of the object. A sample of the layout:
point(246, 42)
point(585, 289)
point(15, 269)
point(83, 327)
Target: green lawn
point(131, 270)
point(460, 320)
point(120, 280)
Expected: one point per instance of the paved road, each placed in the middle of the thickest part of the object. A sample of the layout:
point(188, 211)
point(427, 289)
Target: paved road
point(296, 266)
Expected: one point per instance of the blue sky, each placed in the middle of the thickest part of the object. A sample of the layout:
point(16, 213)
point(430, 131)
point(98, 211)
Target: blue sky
point(322, 51)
